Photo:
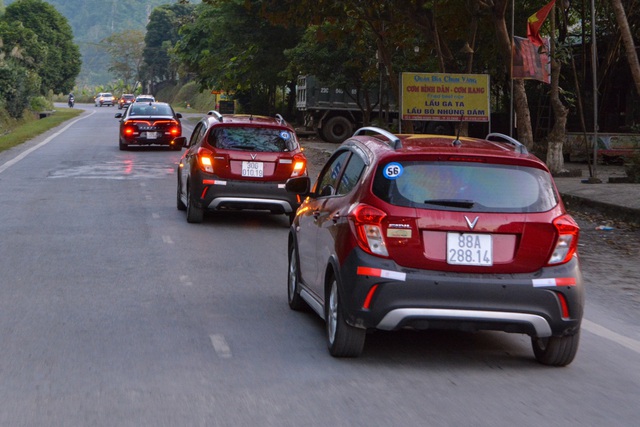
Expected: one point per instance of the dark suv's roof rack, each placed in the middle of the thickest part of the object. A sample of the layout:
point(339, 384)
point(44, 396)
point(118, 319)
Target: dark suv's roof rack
point(499, 137)
point(215, 114)
point(394, 141)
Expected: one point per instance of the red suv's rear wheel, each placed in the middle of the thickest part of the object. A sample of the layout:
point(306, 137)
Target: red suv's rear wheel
point(344, 340)
point(195, 214)
point(556, 351)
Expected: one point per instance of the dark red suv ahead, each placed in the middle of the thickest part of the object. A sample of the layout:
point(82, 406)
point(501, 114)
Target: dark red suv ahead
point(236, 162)
point(430, 231)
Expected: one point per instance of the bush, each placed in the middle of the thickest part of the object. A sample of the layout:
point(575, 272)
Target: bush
point(40, 103)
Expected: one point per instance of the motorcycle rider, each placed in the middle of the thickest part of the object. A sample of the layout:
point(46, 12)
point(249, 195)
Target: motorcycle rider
point(72, 100)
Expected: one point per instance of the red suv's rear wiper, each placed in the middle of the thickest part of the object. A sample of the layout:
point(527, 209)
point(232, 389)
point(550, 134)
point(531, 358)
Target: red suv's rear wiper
point(242, 147)
point(467, 204)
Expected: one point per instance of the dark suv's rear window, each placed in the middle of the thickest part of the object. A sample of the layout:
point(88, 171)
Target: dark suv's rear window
point(465, 186)
point(252, 139)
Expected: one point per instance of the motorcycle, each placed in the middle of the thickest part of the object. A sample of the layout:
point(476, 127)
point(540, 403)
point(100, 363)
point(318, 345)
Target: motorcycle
point(72, 101)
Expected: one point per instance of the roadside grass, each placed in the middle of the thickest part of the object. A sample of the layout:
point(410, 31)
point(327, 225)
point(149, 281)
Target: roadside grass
point(27, 129)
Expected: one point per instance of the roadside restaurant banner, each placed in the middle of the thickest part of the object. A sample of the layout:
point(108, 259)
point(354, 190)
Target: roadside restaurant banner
point(445, 97)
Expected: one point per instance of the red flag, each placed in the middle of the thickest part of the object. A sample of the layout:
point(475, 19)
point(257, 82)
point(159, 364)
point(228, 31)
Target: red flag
point(535, 21)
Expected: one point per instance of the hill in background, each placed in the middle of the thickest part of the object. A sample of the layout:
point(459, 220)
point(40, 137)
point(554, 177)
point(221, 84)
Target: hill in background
point(94, 20)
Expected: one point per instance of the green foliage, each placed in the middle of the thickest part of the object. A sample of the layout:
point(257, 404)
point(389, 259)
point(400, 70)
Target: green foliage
point(19, 131)
point(161, 36)
point(60, 64)
point(230, 46)
point(125, 50)
point(17, 84)
point(40, 103)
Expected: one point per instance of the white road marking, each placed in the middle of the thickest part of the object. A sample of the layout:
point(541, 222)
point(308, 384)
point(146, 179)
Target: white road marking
point(603, 332)
point(186, 281)
point(220, 346)
point(167, 239)
point(148, 197)
point(155, 215)
point(25, 153)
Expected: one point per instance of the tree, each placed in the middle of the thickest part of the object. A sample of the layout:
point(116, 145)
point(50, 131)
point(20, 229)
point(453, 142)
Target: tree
point(160, 39)
point(347, 62)
point(230, 46)
point(555, 157)
point(126, 51)
point(627, 38)
point(61, 63)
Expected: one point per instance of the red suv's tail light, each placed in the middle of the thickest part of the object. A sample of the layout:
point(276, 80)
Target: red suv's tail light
point(567, 241)
point(205, 160)
point(367, 221)
point(299, 166)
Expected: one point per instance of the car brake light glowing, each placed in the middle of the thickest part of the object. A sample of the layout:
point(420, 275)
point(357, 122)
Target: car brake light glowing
point(367, 221)
point(567, 242)
point(204, 160)
point(299, 166)
point(129, 130)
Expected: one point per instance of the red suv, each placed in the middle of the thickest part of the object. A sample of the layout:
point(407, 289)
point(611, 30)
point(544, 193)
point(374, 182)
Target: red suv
point(431, 231)
point(236, 162)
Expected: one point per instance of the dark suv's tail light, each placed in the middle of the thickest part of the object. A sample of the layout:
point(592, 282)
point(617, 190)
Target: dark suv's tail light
point(367, 222)
point(567, 241)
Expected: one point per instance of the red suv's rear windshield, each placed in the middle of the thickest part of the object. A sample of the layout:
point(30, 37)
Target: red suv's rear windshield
point(252, 139)
point(465, 186)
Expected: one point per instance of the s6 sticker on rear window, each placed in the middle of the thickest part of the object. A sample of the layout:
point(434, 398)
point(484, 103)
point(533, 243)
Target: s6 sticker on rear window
point(393, 170)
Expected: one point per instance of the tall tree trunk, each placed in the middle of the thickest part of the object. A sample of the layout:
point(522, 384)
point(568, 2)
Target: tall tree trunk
point(525, 133)
point(555, 158)
point(627, 38)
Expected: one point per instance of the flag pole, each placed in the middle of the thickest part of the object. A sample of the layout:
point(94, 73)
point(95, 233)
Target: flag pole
point(594, 70)
point(513, 8)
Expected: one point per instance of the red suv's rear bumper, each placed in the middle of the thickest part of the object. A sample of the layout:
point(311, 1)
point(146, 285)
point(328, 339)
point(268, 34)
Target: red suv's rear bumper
point(380, 294)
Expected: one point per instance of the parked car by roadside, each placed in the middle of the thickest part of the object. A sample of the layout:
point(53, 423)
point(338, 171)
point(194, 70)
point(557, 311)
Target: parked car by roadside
point(432, 231)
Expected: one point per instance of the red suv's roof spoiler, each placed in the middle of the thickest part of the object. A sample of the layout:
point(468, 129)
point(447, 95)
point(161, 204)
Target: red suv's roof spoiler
point(394, 141)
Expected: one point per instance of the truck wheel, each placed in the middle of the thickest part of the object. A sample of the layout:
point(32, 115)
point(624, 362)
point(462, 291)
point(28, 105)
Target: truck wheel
point(337, 129)
point(321, 135)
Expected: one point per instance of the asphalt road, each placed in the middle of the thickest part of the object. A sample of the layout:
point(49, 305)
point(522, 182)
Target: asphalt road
point(114, 311)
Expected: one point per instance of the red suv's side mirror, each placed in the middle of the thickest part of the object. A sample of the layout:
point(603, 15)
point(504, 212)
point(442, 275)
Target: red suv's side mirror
point(300, 185)
point(181, 141)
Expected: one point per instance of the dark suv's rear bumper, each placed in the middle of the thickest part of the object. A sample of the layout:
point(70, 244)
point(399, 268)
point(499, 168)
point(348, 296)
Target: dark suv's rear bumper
point(421, 299)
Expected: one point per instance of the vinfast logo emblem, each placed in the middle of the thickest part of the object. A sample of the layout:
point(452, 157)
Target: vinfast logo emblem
point(470, 223)
point(253, 156)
